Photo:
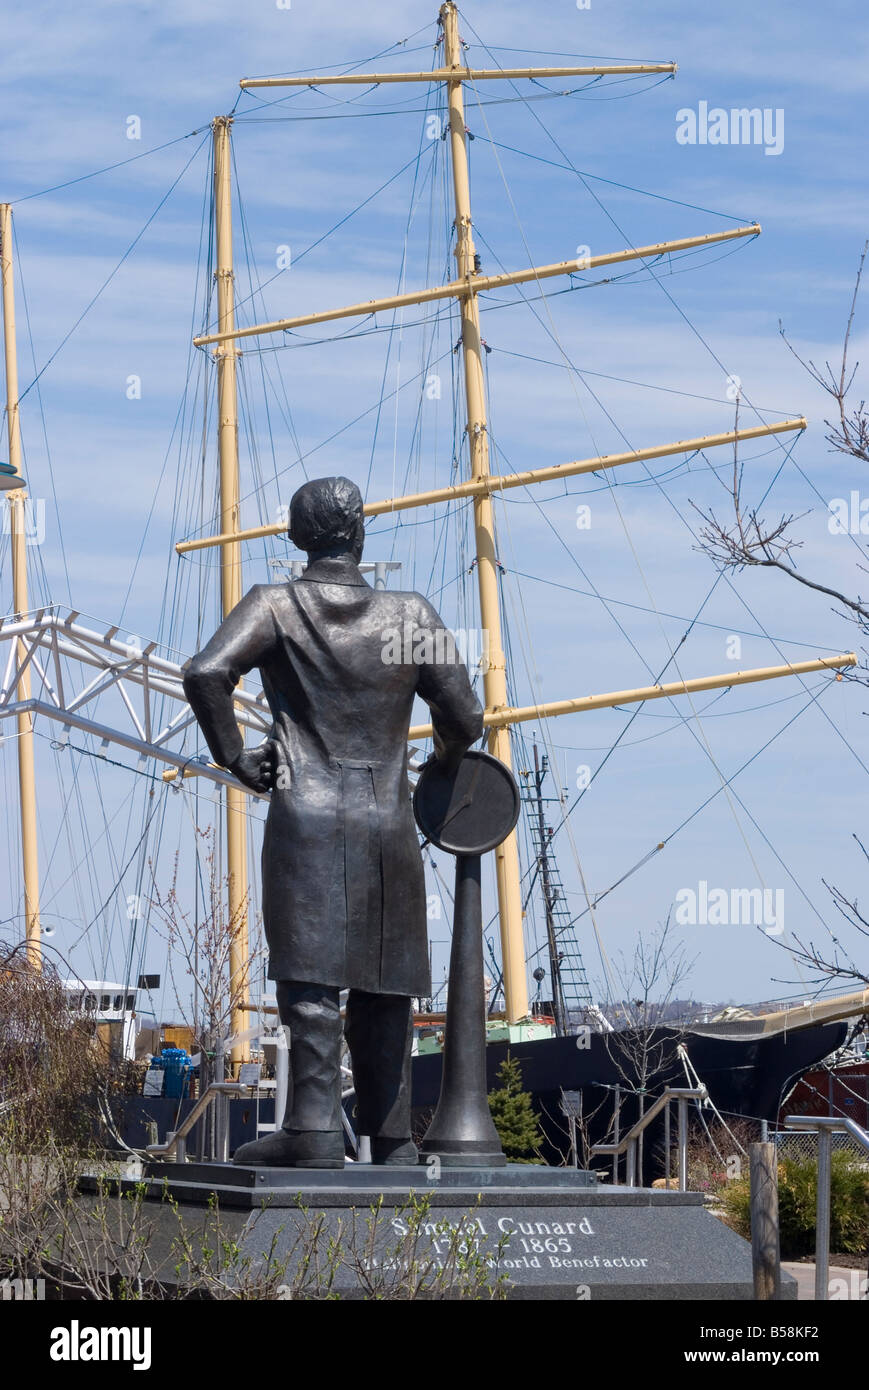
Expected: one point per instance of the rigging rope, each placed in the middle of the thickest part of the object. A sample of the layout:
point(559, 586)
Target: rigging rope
point(113, 273)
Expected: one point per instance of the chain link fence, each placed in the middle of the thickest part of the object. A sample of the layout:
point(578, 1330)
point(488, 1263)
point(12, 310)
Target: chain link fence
point(803, 1144)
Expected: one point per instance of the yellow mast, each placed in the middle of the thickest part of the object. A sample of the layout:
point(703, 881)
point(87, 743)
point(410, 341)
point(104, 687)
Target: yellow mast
point(482, 284)
point(466, 287)
point(500, 482)
point(17, 517)
point(495, 672)
point(226, 355)
point(367, 79)
point(614, 699)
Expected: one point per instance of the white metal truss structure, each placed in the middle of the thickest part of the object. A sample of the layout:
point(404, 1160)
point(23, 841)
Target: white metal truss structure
point(73, 666)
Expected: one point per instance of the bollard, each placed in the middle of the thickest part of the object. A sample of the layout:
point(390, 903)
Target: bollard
point(822, 1223)
point(766, 1264)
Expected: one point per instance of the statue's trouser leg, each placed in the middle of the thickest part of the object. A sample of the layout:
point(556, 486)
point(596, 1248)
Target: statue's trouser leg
point(312, 1014)
point(379, 1031)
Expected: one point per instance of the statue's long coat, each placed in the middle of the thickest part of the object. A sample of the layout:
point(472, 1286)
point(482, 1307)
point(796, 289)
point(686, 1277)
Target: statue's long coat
point(343, 886)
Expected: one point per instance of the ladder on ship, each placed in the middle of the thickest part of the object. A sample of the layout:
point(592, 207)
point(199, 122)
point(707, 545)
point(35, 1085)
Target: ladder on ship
point(571, 994)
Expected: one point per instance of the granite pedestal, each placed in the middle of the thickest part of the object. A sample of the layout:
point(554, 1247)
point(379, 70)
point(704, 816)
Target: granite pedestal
point(542, 1233)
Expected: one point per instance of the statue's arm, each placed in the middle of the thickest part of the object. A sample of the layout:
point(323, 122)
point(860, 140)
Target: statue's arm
point(456, 713)
point(242, 641)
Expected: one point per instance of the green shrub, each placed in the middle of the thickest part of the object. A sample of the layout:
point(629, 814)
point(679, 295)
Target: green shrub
point(513, 1113)
point(797, 1204)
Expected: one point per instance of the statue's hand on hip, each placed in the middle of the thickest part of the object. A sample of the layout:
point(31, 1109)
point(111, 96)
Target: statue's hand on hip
point(257, 767)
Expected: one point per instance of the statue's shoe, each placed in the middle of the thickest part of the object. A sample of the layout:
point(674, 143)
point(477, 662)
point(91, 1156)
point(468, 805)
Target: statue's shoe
point(288, 1148)
point(394, 1153)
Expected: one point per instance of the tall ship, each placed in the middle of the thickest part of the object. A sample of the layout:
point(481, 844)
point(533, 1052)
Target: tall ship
point(130, 854)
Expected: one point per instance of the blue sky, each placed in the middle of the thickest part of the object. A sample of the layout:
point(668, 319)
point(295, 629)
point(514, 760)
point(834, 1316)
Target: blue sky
point(652, 353)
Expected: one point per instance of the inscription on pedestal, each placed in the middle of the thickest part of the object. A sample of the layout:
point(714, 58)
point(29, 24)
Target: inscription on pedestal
point(608, 1251)
point(522, 1244)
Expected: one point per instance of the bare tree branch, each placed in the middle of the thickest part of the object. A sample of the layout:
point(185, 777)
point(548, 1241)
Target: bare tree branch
point(750, 540)
point(851, 434)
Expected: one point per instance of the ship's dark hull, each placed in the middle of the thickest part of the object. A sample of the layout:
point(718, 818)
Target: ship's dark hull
point(743, 1077)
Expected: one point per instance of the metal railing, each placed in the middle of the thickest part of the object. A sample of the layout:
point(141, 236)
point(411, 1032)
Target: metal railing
point(176, 1140)
point(803, 1144)
point(630, 1143)
point(219, 1092)
point(825, 1127)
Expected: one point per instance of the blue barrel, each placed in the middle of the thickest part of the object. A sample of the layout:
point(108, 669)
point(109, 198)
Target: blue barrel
point(176, 1066)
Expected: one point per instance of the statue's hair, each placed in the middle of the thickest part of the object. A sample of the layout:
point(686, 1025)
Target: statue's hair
point(324, 513)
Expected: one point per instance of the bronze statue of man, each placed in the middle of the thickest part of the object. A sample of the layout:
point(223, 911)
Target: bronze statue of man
point(343, 895)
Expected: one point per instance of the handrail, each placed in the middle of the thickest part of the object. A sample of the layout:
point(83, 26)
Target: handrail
point(832, 1123)
point(672, 1093)
point(825, 1126)
point(629, 1142)
point(176, 1139)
